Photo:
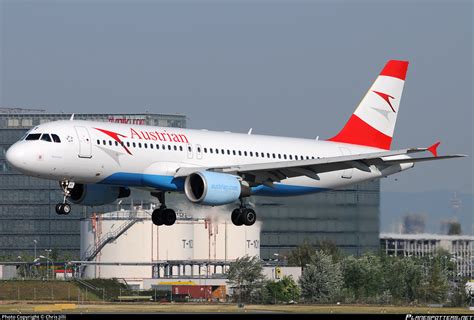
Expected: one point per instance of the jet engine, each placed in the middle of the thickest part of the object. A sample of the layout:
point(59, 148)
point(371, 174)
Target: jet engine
point(213, 188)
point(96, 194)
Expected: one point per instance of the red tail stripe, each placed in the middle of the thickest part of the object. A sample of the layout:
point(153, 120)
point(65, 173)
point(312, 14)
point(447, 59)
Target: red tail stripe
point(357, 131)
point(395, 68)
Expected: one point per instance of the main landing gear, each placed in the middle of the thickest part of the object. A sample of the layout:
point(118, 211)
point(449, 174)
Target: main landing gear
point(243, 215)
point(162, 215)
point(64, 208)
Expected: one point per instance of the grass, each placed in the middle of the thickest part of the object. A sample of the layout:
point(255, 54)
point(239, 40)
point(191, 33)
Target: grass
point(16, 307)
point(44, 290)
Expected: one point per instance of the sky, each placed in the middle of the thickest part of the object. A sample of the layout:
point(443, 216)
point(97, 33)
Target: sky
point(285, 68)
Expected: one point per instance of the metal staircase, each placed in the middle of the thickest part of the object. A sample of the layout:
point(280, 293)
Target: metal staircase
point(94, 249)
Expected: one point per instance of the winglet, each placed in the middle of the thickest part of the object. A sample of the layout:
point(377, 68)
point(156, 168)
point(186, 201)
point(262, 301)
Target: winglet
point(72, 117)
point(434, 149)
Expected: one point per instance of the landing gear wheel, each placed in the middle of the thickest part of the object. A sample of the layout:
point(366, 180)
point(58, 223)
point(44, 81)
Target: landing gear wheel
point(59, 208)
point(168, 216)
point(66, 208)
point(249, 217)
point(63, 208)
point(236, 217)
point(156, 217)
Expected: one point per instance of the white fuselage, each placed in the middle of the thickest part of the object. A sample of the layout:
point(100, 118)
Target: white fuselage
point(148, 157)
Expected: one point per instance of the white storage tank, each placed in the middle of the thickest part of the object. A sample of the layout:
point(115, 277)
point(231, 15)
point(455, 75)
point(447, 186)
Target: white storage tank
point(140, 241)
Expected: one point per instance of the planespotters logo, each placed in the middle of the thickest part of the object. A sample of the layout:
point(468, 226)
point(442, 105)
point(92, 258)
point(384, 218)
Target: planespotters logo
point(162, 136)
point(438, 317)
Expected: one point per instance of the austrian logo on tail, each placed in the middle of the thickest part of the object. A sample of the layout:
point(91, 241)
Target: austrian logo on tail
point(116, 136)
point(386, 97)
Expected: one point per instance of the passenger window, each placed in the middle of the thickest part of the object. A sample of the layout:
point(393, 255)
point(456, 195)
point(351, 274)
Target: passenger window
point(307, 157)
point(57, 140)
point(189, 149)
point(110, 142)
point(210, 150)
point(33, 136)
point(46, 137)
point(251, 153)
point(217, 151)
point(279, 156)
point(205, 150)
point(291, 157)
point(103, 142)
point(163, 147)
point(139, 144)
point(284, 156)
point(175, 148)
point(233, 152)
point(145, 145)
point(268, 155)
point(157, 147)
point(180, 148)
point(273, 155)
point(240, 153)
point(116, 143)
point(256, 154)
point(312, 158)
point(128, 144)
point(262, 154)
point(222, 151)
point(151, 145)
point(198, 149)
point(133, 144)
point(245, 153)
point(169, 147)
point(98, 141)
point(228, 152)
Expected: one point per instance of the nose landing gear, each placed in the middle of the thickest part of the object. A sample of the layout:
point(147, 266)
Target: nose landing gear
point(162, 215)
point(64, 208)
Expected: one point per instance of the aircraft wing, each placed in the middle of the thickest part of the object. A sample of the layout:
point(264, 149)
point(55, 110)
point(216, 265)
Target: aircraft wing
point(269, 172)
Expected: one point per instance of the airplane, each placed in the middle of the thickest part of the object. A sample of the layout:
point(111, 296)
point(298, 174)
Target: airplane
point(98, 162)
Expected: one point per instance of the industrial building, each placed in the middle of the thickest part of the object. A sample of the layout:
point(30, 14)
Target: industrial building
point(348, 218)
point(28, 221)
point(461, 248)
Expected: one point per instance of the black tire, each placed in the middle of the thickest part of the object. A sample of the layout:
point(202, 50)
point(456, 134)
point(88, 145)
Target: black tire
point(249, 217)
point(168, 216)
point(59, 208)
point(156, 217)
point(66, 209)
point(236, 217)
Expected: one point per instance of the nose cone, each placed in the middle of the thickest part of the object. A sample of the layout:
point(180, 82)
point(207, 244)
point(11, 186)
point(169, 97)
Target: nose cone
point(16, 157)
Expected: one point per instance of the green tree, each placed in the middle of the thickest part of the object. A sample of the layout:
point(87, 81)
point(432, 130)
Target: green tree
point(437, 284)
point(301, 255)
point(285, 290)
point(454, 228)
point(245, 275)
point(321, 280)
point(362, 276)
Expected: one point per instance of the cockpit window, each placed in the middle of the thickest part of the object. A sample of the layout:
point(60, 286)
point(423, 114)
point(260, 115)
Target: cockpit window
point(46, 137)
point(55, 138)
point(33, 136)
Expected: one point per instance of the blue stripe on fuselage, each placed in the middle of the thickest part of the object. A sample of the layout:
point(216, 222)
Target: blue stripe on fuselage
point(170, 183)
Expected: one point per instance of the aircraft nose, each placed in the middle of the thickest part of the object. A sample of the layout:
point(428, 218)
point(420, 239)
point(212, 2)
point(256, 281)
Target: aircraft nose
point(15, 156)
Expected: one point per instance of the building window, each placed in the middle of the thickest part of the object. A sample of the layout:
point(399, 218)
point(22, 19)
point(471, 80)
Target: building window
point(13, 122)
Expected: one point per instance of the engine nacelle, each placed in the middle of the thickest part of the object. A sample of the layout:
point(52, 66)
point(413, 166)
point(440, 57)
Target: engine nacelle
point(96, 194)
point(212, 188)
